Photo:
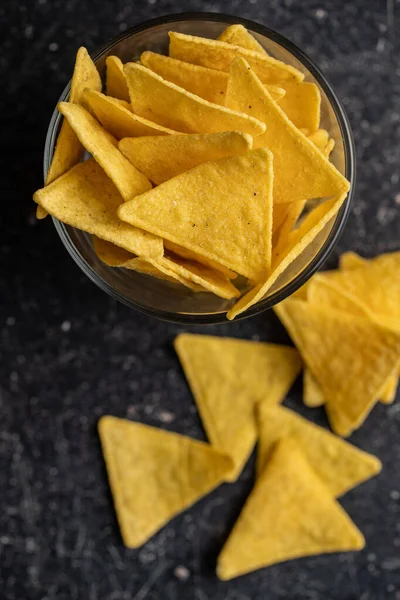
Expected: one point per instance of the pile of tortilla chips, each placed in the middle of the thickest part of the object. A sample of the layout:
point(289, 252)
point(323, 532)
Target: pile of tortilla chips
point(346, 326)
point(204, 163)
point(238, 387)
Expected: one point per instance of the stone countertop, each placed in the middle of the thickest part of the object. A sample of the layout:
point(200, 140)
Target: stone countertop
point(70, 354)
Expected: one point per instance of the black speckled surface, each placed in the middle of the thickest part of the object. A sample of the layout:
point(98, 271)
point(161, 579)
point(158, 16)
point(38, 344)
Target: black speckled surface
point(70, 354)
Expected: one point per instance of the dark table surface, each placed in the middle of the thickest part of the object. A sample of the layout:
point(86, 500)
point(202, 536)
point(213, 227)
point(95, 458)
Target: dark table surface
point(70, 354)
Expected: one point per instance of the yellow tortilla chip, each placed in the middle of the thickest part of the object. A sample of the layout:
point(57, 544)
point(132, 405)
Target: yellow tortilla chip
point(289, 514)
point(68, 151)
point(114, 256)
point(228, 377)
point(240, 36)
point(220, 209)
point(154, 98)
point(340, 465)
point(313, 396)
point(155, 474)
point(201, 81)
point(162, 158)
point(86, 198)
point(208, 262)
point(351, 260)
point(352, 374)
point(219, 55)
point(115, 79)
point(319, 138)
point(302, 104)
point(375, 285)
point(304, 235)
point(329, 147)
point(301, 172)
point(312, 393)
point(129, 181)
point(285, 217)
point(325, 293)
point(119, 120)
point(206, 83)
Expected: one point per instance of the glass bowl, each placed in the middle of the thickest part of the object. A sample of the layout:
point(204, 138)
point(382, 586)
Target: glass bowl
point(170, 301)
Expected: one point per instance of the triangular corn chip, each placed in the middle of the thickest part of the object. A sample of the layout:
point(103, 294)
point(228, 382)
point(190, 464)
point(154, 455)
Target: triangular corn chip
point(329, 147)
point(351, 260)
point(86, 198)
point(376, 284)
point(69, 150)
point(156, 99)
point(312, 393)
point(304, 235)
point(161, 158)
point(206, 83)
point(155, 474)
point(339, 464)
point(228, 377)
point(115, 80)
point(319, 138)
point(352, 374)
point(208, 262)
point(119, 120)
point(219, 55)
point(326, 293)
point(301, 172)
point(302, 104)
point(285, 217)
point(313, 396)
point(240, 36)
point(129, 181)
point(289, 514)
point(220, 209)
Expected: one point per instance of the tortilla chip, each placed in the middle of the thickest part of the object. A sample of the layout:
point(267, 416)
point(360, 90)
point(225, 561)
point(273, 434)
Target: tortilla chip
point(220, 209)
point(285, 217)
point(340, 465)
point(154, 98)
point(206, 83)
point(116, 81)
point(301, 172)
point(162, 158)
point(87, 199)
point(289, 514)
point(358, 371)
point(119, 120)
point(351, 260)
point(218, 55)
point(240, 36)
point(155, 474)
point(189, 254)
point(302, 104)
point(129, 181)
point(312, 393)
point(375, 285)
point(304, 235)
point(325, 293)
point(201, 81)
point(69, 151)
point(319, 138)
point(313, 396)
point(113, 256)
point(228, 377)
point(329, 147)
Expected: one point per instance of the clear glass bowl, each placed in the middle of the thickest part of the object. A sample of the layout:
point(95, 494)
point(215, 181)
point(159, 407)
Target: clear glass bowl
point(171, 301)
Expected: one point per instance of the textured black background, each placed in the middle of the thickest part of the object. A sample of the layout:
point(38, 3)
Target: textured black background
point(70, 354)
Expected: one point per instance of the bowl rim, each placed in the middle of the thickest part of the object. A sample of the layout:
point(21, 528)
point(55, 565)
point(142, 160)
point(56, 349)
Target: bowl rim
point(341, 218)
